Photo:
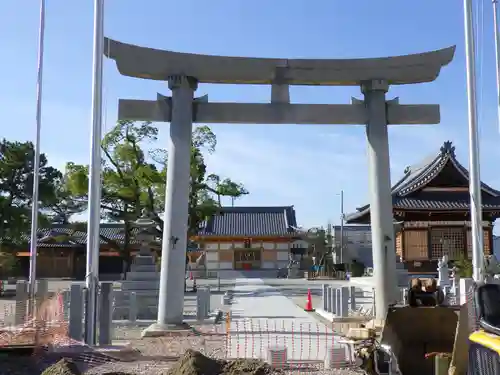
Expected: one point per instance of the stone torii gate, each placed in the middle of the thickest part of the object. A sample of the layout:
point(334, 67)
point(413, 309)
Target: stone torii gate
point(183, 71)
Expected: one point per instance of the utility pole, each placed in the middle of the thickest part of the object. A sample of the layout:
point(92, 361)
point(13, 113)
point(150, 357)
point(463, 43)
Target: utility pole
point(94, 211)
point(475, 179)
point(497, 54)
point(36, 163)
point(341, 226)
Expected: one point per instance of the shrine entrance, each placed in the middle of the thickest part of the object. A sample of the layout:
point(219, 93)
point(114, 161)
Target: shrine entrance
point(247, 259)
point(184, 71)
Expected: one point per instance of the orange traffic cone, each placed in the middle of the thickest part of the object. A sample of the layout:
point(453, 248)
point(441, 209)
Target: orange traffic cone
point(309, 305)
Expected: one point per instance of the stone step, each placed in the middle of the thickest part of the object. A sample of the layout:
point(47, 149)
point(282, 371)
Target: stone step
point(142, 260)
point(138, 293)
point(143, 268)
point(140, 285)
point(125, 301)
point(142, 276)
point(143, 313)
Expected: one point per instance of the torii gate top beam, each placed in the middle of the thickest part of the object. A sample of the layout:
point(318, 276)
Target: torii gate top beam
point(154, 64)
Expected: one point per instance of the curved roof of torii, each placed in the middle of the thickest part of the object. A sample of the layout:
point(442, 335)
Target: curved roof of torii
point(418, 176)
point(155, 64)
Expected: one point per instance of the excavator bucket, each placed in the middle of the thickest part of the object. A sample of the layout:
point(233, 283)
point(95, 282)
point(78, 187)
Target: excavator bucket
point(413, 332)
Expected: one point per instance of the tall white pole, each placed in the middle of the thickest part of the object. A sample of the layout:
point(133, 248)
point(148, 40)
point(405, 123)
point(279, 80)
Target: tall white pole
point(36, 161)
point(94, 210)
point(497, 54)
point(341, 226)
point(475, 179)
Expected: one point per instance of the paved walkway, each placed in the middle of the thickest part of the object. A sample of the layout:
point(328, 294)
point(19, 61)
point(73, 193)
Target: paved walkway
point(262, 317)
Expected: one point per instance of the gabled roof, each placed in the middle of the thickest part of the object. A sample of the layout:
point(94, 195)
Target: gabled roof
point(229, 221)
point(60, 235)
point(407, 193)
point(251, 222)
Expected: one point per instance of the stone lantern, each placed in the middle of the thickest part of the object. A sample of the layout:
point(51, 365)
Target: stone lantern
point(147, 233)
point(142, 282)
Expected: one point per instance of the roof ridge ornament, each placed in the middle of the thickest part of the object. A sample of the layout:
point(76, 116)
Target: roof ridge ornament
point(448, 149)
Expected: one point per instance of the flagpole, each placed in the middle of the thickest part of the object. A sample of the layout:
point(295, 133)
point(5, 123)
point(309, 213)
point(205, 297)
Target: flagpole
point(497, 53)
point(475, 179)
point(36, 161)
point(94, 210)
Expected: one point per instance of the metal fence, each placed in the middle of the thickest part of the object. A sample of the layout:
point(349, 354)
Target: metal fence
point(292, 345)
point(286, 343)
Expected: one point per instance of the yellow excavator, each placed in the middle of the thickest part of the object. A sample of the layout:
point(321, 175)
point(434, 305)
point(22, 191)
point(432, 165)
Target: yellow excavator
point(426, 337)
point(484, 341)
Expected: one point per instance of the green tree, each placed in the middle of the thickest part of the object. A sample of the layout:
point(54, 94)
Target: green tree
point(16, 188)
point(9, 264)
point(464, 265)
point(134, 177)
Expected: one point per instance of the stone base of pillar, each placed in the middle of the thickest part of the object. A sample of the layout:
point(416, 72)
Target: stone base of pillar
point(376, 324)
point(277, 356)
point(162, 330)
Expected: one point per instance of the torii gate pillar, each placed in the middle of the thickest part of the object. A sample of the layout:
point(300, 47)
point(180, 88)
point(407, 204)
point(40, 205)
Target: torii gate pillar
point(379, 180)
point(175, 221)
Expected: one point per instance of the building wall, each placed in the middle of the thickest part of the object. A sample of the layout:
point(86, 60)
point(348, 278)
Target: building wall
point(431, 240)
point(221, 254)
point(357, 243)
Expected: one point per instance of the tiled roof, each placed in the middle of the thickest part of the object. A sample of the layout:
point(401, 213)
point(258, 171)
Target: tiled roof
point(251, 221)
point(417, 177)
point(231, 221)
point(66, 236)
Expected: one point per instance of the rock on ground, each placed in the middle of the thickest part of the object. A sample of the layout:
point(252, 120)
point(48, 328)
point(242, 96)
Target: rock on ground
point(195, 363)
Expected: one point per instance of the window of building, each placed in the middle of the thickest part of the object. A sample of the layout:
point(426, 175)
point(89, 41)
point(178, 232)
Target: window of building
point(447, 241)
point(415, 245)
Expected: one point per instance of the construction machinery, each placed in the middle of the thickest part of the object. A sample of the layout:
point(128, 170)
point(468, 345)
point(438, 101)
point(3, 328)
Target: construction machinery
point(410, 333)
point(427, 337)
point(484, 341)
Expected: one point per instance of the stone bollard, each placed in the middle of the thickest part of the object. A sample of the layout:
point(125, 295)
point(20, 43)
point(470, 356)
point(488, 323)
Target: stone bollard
point(329, 293)
point(133, 307)
point(324, 296)
point(277, 356)
point(446, 293)
point(76, 311)
point(344, 302)
point(207, 301)
point(335, 357)
point(404, 296)
point(66, 302)
point(338, 302)
point(465, 289)
point(106, 313)
point(21, 302)
point(333, 300)
point(227, 298)
point(42, 291)
point(352, 293)
point(202, 301)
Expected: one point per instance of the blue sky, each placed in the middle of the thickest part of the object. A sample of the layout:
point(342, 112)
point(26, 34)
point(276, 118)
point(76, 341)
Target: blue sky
point(305, 166)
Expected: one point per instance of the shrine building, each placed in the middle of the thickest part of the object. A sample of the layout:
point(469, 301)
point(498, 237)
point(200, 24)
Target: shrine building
point(250, 238)
point(432, 203)
point(236, 238)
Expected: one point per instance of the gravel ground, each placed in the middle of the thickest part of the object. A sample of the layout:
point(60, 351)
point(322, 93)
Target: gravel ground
point(157, 355)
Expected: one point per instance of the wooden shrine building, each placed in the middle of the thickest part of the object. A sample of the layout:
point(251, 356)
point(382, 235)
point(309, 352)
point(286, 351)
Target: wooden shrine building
point(250, 238)
point(237, 238)
point(433, 204)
